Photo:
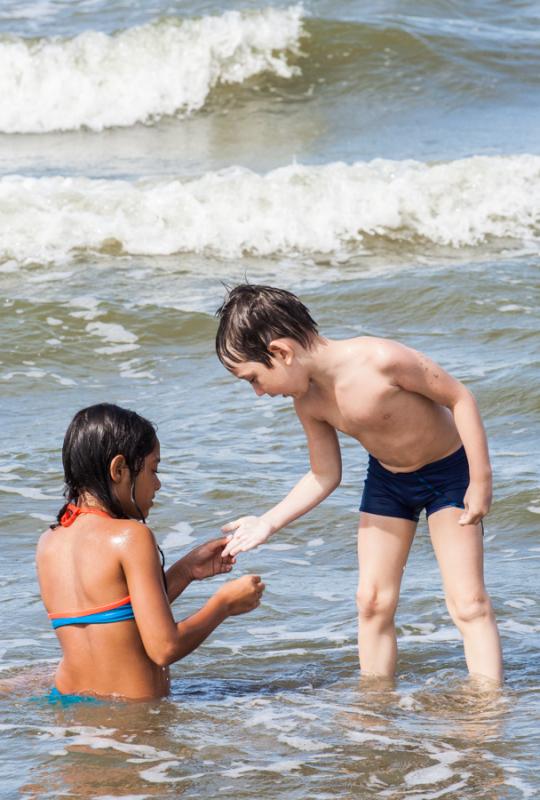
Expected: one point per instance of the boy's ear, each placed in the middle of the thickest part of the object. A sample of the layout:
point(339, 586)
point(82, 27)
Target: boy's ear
point(282, 350)
point(117, 468)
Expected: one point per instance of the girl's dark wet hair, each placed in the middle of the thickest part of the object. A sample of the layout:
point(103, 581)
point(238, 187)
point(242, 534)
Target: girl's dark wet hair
point(95, 436)
point(252, 316)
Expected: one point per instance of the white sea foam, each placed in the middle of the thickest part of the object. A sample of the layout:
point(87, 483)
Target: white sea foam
point(444, 634)
point(329, 597)
point(301, 743)
point(159, 773)
point(111, 332)
point(61, 380)
point(120, 340)
point(520, 603)
point(369, 736)
point(281, 546)
point(522, 628)
point(88, 308)
point(9, 644)
point(526, 789)
point(282, 633)
point(436, 773)
point(328, 209)
point(283, 765)
point(180, 536)
point(102, 739)
point(25, 491)
point(140, 74)
point(128, 369)
point(264, 458)
point(446, 792)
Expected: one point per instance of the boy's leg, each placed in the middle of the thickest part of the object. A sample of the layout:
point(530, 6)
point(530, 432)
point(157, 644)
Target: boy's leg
point(383, 547)
point(459, 551)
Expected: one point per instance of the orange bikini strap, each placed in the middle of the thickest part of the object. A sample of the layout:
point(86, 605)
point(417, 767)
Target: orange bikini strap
point(88, 611)
point(72, 512)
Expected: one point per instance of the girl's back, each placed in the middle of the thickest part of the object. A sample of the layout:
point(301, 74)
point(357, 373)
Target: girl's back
point(80, 571)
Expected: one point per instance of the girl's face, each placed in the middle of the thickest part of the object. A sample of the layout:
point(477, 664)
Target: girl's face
point(147, 484)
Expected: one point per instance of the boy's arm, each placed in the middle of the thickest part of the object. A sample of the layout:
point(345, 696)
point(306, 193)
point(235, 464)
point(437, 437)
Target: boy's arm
point(415, 372)
point(323, 477)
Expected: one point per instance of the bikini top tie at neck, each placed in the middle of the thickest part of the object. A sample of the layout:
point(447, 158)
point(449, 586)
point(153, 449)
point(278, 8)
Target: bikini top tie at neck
point(72, 512)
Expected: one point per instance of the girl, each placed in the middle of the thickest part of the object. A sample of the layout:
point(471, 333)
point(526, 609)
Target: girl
point(100, 573)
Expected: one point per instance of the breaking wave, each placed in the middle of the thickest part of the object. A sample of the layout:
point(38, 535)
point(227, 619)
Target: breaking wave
point(331, 209)
point(165, 67)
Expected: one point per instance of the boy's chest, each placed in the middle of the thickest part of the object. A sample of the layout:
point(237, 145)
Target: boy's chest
point(356, 408)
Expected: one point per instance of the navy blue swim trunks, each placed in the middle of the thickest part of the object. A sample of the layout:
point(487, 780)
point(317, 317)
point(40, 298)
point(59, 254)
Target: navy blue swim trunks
point(434, 486)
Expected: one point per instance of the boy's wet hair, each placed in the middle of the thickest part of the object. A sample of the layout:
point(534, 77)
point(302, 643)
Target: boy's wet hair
point(252, 316)
point(94, 437)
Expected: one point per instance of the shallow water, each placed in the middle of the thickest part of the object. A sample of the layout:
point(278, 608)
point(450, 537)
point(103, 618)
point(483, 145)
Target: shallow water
point(115, 243)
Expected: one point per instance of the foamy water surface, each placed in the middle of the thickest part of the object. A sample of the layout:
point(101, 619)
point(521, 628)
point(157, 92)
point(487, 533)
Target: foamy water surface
point(383, 163)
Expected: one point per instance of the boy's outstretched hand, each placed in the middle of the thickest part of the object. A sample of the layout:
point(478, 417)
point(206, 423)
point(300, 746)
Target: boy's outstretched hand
point(208, 559)
point(249, 532)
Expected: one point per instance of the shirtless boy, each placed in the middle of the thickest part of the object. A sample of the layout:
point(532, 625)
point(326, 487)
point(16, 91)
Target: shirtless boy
point(427, 450)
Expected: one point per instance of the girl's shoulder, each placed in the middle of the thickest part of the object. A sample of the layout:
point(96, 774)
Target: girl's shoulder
point(131, 531)
point(117, 532)
point(45, 539)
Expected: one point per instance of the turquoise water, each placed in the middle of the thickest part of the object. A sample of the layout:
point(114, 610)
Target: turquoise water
point(383, 163)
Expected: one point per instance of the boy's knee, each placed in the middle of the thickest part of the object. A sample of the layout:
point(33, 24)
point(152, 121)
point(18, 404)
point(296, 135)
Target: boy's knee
point(373, 602)
point(472, 608)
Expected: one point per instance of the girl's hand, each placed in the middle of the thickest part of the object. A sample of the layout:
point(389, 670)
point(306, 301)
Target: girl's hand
point(208, 559)
point(241, 595)
point(249, 532)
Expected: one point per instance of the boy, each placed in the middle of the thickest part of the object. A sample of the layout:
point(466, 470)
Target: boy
point(427, 449)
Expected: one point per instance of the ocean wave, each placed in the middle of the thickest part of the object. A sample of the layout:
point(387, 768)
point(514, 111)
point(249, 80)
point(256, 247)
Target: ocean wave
point(333, 209)
point(98, 81)
point(404, 59)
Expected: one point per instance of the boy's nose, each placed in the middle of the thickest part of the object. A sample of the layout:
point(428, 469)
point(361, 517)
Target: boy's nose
point(258, 391)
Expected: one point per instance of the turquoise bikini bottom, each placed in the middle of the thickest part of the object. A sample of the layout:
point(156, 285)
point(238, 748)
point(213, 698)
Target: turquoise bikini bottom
point(56, 696)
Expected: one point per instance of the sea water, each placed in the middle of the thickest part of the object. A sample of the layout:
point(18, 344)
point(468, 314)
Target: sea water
point(380, 160)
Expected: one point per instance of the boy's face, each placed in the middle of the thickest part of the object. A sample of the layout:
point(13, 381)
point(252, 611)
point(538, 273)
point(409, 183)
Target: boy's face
point(281, 378)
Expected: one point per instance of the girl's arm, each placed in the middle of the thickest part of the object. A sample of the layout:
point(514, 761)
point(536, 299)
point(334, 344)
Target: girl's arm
point(202, 562)
point(165, 640)
point(178, 579)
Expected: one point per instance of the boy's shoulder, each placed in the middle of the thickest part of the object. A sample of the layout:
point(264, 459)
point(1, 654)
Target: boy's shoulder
point(357, 364)
point(373, 350)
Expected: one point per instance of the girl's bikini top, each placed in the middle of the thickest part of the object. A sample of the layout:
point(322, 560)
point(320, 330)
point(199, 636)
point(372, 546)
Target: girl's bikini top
point(112, 612)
